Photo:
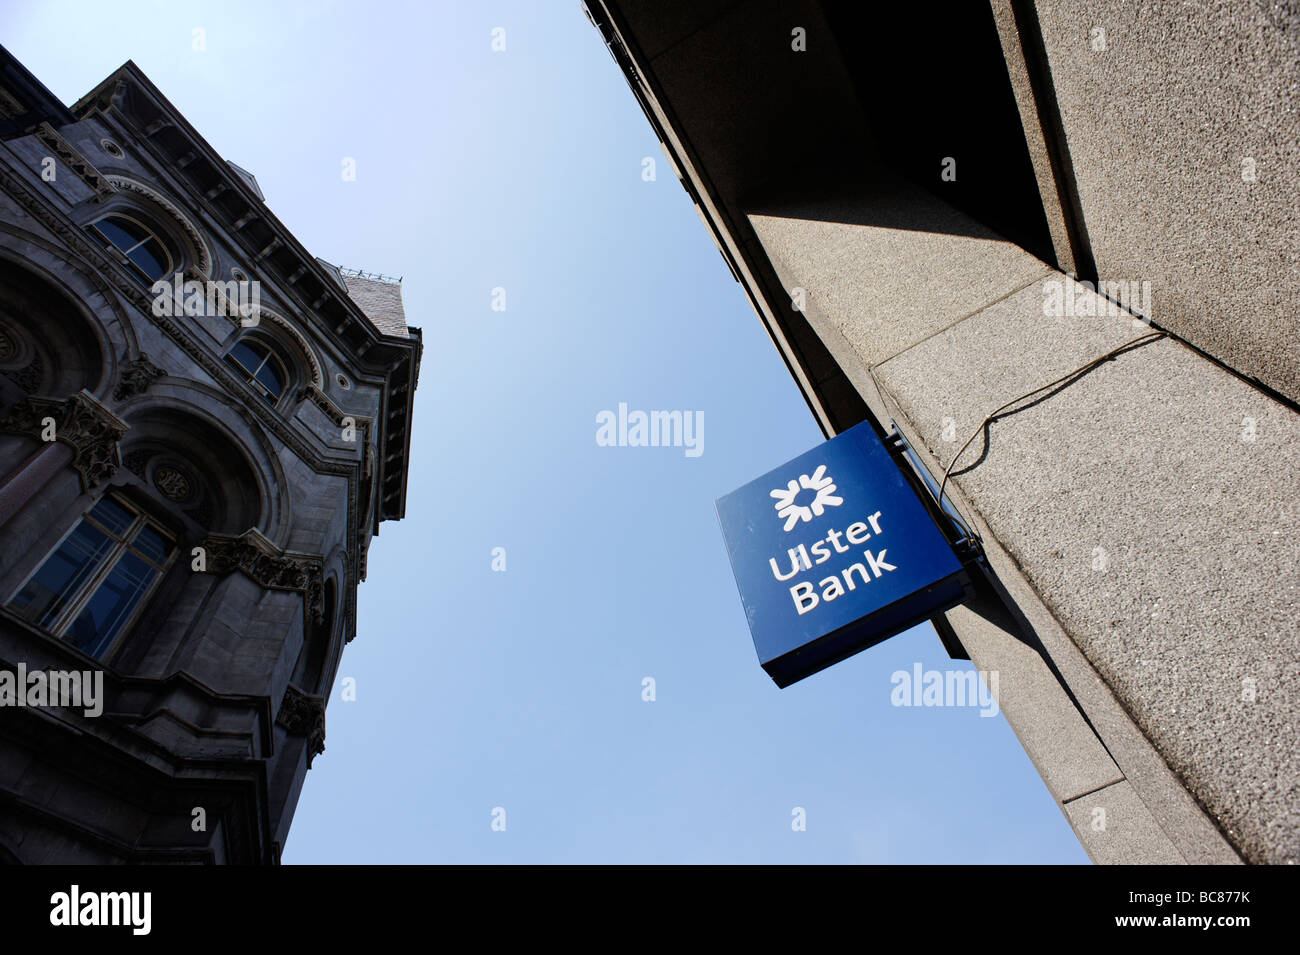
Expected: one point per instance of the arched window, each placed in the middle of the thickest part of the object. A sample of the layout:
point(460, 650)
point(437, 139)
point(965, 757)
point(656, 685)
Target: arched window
point(146, 253)
point(259, 364)
point(91, 588)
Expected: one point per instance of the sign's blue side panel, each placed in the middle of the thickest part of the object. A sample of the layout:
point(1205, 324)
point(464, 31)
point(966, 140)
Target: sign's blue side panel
point(833, 552)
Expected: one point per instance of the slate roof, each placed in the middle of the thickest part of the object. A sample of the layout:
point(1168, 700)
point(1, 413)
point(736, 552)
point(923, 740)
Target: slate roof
point(382, 303)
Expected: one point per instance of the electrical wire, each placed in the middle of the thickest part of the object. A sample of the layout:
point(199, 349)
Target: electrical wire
point(1081, 370)
point(955, 514)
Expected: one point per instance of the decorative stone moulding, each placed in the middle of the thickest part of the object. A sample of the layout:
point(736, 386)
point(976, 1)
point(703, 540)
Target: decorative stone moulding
point(24, 365)
point(172, 482)
point(336, 414)
point(203, 258)
point(308, 353)
point(91, 430)
point(304, 715)
point(78, 163)
point(136, 377)
point(10, 108)
point(268, 566)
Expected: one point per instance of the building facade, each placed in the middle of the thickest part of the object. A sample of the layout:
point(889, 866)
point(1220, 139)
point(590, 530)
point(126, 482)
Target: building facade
point(202, 426)
point(1068, 232)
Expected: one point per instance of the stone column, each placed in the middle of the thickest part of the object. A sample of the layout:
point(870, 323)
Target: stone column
point(29, 477)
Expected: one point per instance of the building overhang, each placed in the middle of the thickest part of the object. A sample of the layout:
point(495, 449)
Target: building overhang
point(25, 102)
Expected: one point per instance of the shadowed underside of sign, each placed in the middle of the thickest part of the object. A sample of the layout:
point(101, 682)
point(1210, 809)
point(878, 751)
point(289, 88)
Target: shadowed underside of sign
point(867, 632)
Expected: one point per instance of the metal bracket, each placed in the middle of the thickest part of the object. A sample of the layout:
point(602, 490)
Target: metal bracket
point(967, 547)
point(964, 543)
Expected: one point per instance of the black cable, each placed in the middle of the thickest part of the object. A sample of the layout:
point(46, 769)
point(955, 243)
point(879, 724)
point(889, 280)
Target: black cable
point(889, 399)
point(1082, 369)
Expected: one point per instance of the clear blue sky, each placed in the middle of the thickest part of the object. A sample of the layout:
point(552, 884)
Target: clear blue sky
point(522, 689)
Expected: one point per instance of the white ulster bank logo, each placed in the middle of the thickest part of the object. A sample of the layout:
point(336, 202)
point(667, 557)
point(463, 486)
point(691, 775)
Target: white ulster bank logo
point(821, 482)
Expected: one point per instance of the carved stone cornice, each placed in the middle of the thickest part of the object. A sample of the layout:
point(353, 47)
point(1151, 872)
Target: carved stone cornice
point(10, 108)
point(304, 715)
point(268, 566)
point(316, 396)
point(135, 378)
point(78, 163)
point(91, 430)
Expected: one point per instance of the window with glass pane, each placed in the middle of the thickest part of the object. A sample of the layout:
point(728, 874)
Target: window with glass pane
point(260, 366)
point(141, 247)
point(90, 588)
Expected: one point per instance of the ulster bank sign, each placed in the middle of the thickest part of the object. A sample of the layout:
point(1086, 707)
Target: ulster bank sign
point(833, 552)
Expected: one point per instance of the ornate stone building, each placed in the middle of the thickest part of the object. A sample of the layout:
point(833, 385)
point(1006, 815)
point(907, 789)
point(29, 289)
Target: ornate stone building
point(188, 483)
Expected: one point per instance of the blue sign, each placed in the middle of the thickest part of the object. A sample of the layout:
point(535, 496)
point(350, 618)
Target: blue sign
point(833, 552)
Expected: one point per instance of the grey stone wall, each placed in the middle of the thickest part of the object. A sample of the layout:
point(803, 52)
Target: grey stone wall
point(1181, 125)
point(1139, 523)
point(1150, 504)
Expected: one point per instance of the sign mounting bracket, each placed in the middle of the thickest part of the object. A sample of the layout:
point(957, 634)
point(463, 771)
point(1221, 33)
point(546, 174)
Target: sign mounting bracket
point(965, 543)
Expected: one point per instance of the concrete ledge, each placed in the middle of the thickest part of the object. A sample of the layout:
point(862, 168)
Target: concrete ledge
point(1057, 739)
point(889, 262)
point(1116, 828)
point(1104, 496)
